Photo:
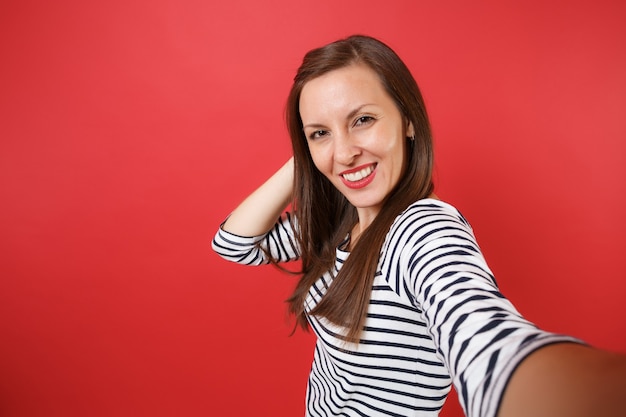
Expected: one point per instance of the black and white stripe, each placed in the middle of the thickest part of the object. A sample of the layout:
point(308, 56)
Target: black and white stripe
point(436, 317)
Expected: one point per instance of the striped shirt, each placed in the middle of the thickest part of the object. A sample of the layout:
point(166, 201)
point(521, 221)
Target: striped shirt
point(435, 317)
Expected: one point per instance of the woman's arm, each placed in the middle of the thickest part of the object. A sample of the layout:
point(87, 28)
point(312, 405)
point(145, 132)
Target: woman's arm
point(258, 213)
point(567, 380)
point(501, 363)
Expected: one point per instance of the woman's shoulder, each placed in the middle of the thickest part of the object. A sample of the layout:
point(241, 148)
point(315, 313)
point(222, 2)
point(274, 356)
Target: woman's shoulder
point(422, 224)
point(432, 208)
point(426, 219)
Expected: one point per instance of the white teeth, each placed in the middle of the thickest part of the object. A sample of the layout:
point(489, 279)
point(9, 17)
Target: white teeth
point(359, 175)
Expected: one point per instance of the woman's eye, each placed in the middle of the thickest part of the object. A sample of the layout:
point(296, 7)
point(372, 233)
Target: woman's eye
point(317, 134)
point(363, 120)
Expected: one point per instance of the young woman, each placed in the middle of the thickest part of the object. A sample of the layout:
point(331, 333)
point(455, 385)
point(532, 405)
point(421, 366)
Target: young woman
point(393, 282)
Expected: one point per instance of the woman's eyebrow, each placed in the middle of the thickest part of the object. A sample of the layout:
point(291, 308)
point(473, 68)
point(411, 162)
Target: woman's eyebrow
point(313, 125)
point(348, 117)
point(356, 111)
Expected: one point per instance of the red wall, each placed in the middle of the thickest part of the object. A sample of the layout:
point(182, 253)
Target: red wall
point(128, 130)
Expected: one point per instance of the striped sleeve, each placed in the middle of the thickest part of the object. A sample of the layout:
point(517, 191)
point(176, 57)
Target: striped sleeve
point(279, 244)
point(478, 333)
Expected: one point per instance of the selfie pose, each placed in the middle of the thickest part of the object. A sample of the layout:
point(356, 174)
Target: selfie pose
point(393, 282)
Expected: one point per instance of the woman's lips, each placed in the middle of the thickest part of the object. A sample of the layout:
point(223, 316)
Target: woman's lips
point(359, 177)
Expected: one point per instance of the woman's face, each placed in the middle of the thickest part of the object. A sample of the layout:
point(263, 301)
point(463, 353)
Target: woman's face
point(356, 135)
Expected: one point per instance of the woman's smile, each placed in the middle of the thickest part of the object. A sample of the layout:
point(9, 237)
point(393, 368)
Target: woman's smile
point(359, 177)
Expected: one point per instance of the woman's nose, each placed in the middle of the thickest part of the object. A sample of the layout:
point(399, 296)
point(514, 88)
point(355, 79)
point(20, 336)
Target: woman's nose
point(346, 149)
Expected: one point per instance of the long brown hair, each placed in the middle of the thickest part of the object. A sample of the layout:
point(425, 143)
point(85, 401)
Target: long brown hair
point(323, 214)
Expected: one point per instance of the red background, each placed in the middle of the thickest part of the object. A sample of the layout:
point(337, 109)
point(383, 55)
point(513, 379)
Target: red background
point(130, 129)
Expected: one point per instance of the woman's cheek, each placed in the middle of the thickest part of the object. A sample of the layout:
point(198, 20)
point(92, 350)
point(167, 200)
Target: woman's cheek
point(320, 158)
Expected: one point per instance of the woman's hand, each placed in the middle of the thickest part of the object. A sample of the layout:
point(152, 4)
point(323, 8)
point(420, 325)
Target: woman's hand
point(567, 380)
